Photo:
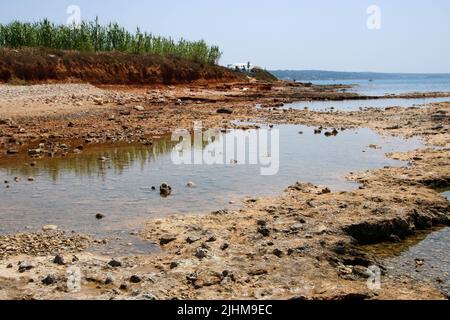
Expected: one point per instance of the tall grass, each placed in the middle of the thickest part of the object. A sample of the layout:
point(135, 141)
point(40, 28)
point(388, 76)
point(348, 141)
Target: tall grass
point(93, 37)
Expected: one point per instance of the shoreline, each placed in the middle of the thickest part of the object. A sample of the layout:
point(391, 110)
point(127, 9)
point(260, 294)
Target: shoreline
point(306, 238)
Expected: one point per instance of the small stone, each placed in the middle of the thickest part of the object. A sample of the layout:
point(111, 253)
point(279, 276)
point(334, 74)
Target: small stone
point(50, 227)
point(139, 108)
point(173, 265)
point(264, 231)
point(25, 266)
point(278, 253)
point(109, 280)
point(123, 286)
point(115, 263)
point(30, 178)
point(224, 111)
point(166, 239)
point(9, 266)
point(190, 184)
point(135, 279)
point(59, 260)
point(192, 239)
point(12, 151)
point(99, 216)
point(224, 246)
point(49, 280)
point(165, 190)
point(201, 253)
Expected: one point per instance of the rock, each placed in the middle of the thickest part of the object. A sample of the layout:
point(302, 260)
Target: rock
point(33, 152)
point(224, 111)
point(50, 227)
point(278, 253)
point(25, 266)
point(224, 246)
point(30, 179)
point(59, 260)
point(325, 191)
point(166, 239)
point(173, 265)
point(165, 190)
point(115, 263)
point(12, 151)
point(211, 238)
point(190, 184)
point(49, 280)
point(123, 286)
point(109, 280)
point(264, 231)
point(201, 253)
point(192, 239)
point(16, 179)
point(139, 108)
point(135, 279)
point(99, 216)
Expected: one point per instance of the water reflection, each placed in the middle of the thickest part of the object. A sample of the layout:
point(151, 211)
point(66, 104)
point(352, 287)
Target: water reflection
point(70, 191)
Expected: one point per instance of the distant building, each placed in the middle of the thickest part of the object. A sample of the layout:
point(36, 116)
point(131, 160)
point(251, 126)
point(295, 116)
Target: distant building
point(241, 66)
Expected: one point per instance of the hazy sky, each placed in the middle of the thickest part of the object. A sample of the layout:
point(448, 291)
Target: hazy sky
point(281, 34)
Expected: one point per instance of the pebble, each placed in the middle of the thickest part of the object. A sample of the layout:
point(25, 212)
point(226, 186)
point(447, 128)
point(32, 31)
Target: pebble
point(135, 279)
point(59, 260)
point(190, 184)
point(50, 227)
point(49, 280)
point(99, 216)
point(201, 253)
point(115, 263)
point(139, 108)
point(166, 239)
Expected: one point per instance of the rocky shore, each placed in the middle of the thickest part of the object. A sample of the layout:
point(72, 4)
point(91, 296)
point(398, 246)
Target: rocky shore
point(302, 244)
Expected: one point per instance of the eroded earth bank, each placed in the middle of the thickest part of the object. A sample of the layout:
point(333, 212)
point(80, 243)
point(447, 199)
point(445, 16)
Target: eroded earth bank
point(304, 243)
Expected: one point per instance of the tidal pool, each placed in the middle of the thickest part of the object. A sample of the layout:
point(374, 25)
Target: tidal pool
point(70, 191)
point(354, 105)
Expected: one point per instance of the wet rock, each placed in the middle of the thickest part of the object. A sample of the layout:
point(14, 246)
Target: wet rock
point(201, 253)
point(166, 239)
point(99, 216)
point(30, 179)
point(224, 111)
point(59, 260)
point(135, 279)
point(115, 263)
point(49, 280)
point(165, 190)
point(190, 184)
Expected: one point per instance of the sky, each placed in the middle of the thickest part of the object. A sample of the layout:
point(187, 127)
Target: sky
point(413, 35)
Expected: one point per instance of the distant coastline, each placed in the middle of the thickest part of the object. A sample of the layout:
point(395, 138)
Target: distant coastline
point(314, 75)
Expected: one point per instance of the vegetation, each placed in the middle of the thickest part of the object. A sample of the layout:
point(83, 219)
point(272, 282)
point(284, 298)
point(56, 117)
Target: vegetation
point(92, 37)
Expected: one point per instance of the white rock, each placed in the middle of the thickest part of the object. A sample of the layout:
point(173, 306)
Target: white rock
point(49, 227)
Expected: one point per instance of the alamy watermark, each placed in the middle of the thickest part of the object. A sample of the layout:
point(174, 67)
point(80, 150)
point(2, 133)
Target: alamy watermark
point(74, 18)
point(237, 147)
point(374, 20)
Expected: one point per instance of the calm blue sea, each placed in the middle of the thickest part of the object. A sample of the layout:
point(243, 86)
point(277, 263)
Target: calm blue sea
point(381, 87)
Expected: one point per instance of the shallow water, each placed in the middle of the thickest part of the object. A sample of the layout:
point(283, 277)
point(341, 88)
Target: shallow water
point(380, 87)
point(354, 105)
point(424, 256)
point(70, 191)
